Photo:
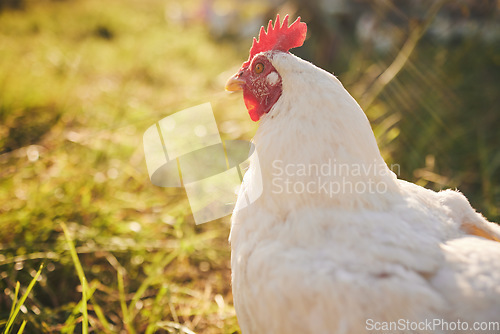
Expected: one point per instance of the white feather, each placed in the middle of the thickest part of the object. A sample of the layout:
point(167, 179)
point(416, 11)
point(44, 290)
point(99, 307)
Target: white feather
point(272, 78)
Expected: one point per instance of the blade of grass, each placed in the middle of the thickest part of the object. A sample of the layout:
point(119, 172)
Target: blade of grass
point(155, 310)
point(19, 304)
point(123, 303)
point(100, 315)
point(402, 57)
point(173, 325)
point(16, 294)
point(21, 329)
point(81, 276)
point(70, 323)
point(149, 280)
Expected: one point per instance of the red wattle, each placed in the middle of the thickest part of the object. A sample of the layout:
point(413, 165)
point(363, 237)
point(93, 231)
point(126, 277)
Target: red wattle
point(253, 107)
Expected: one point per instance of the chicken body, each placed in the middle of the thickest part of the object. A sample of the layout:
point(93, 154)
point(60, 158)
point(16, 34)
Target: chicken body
point(344, 261)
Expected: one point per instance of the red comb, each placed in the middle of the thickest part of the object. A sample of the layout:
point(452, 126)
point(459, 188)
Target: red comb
point(282, 38)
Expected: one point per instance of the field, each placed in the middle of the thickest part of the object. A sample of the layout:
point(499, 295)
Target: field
point(80, 82)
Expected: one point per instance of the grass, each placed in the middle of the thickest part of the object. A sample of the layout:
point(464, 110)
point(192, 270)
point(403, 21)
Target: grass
point(81, 81)
point(80, 84)
point(18, 304)
point(83, 280)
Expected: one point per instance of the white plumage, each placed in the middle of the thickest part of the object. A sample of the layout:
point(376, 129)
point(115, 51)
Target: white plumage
point(316, 262)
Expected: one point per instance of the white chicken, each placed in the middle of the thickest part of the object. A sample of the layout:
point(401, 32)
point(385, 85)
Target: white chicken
point(336, 243)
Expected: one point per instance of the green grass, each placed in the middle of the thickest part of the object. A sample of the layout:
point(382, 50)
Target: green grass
point(80, 82)
point(82, 278)
point(74, 104)
point(17, 304)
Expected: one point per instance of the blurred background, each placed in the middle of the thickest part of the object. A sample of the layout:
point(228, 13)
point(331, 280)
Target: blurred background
point(81, 80)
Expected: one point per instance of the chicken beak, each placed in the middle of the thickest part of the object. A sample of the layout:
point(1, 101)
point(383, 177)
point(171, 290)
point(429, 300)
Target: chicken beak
point(235, 83)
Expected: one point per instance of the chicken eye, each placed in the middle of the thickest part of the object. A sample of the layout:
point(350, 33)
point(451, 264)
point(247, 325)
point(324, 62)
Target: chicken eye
point(259, 68)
